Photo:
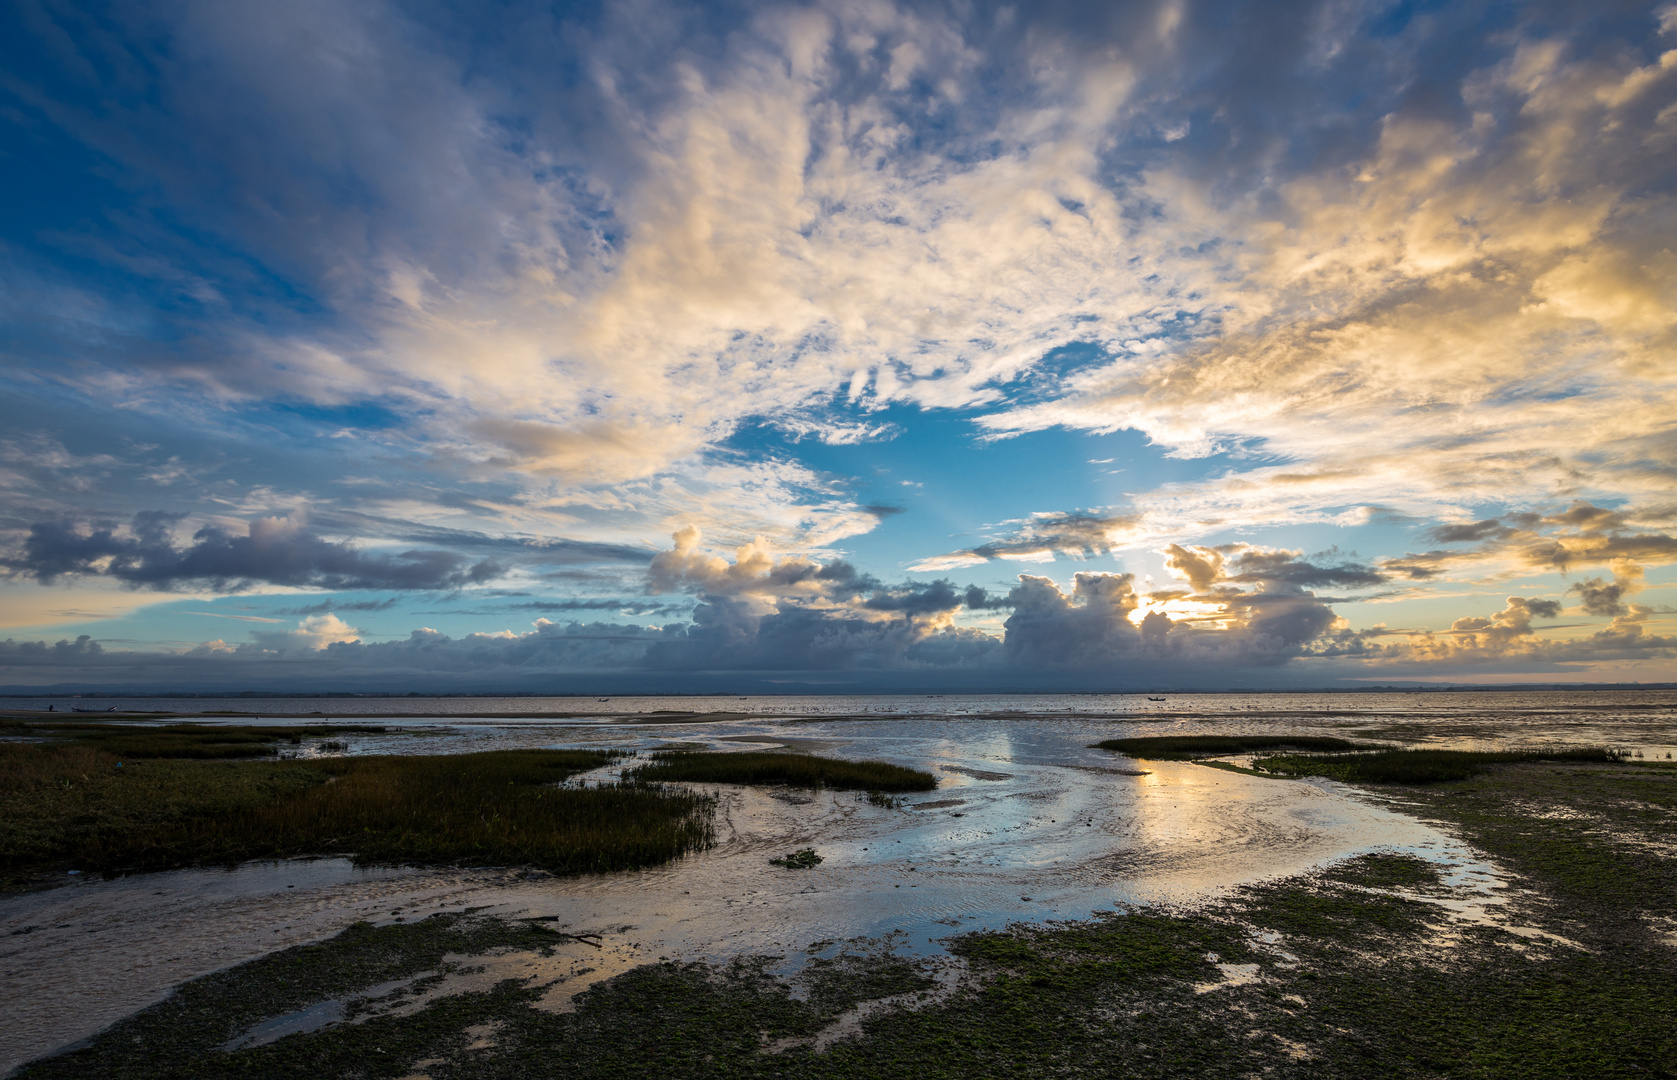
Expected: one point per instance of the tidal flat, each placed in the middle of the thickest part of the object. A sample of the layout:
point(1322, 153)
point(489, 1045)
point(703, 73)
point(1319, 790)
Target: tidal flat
point(1051, 909)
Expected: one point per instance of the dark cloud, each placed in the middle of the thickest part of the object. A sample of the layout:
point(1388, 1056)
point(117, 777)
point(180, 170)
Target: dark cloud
point(1207, 568)
point(1285, 567)
point(1470, 533)
point(1574, 550)
point(327, 606)
point(1091, 628)
point(1581, 535)
point(977, 599)
point(38, 654)
point(537, 551)
point(275, 551)
point(1078, 535)
point(1601, 597)
point(727, 634)
point(914, 599)
point(637, 607)
point(1587, 517)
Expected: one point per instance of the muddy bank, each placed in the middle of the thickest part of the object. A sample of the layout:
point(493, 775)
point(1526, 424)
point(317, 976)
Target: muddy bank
point(1385, 964)
point(1028, 823)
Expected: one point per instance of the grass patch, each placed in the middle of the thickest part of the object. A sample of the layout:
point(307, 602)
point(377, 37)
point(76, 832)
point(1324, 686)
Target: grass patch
point(804, 859)
point(210, 742)
point(793, 770)
point(1187, 747)
point(1420, 766)
point(68, 807)
point(75, 807)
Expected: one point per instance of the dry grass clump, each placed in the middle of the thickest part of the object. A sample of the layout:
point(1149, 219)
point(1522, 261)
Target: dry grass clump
point(75, 806)
point(793, 770)
point(1184, 747)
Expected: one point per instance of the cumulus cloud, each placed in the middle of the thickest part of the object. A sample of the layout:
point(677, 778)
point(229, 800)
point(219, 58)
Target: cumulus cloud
point(1508, 639)
point(763, 611)
point(314, 633)
point(768, 611)
point(275, 550)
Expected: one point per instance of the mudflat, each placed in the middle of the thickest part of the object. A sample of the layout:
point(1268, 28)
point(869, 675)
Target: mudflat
point(1376, 966)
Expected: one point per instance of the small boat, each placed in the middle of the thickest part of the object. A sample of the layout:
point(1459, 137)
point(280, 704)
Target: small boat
point(1155, 699)
point(605, 699)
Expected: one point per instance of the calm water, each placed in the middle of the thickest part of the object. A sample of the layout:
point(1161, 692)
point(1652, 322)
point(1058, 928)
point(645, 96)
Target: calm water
point(1490, 703)
point(1641, 719)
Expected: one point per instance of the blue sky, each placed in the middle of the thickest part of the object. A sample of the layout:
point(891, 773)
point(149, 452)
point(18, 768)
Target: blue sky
point(358, 345)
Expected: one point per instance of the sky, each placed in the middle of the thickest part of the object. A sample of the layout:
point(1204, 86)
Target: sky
point(836, 346)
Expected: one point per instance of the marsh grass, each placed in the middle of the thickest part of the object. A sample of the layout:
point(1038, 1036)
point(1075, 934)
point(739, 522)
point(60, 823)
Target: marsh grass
point(794, 770)
point(495, 808)
point(1421, 766)
point(208, 742)
point(74, 806)
point(1186, 747)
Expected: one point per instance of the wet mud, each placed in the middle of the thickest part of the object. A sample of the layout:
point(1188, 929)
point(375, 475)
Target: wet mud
point(1028, 824)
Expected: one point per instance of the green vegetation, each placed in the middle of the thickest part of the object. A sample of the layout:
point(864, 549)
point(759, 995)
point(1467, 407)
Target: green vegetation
point(1419, 766)
point(1356, 973)
point(804, 859)
point(178, 741)
point(76, 807)
point(662, 1019)
point(1340, 759)
point(795, 770)
point(1187, 747)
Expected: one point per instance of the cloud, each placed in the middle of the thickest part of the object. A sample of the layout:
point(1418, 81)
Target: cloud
point(1381, 266)
point(1205, 568)
point(1581, 535)
point(755, 572)
point(1602, 597)
point(314, 633)
point(763, 611)
point(1040, 538)
point(1509, 641)
point(275, 550)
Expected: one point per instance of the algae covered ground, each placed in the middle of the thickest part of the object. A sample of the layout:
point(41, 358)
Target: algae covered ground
point(1362, 970)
